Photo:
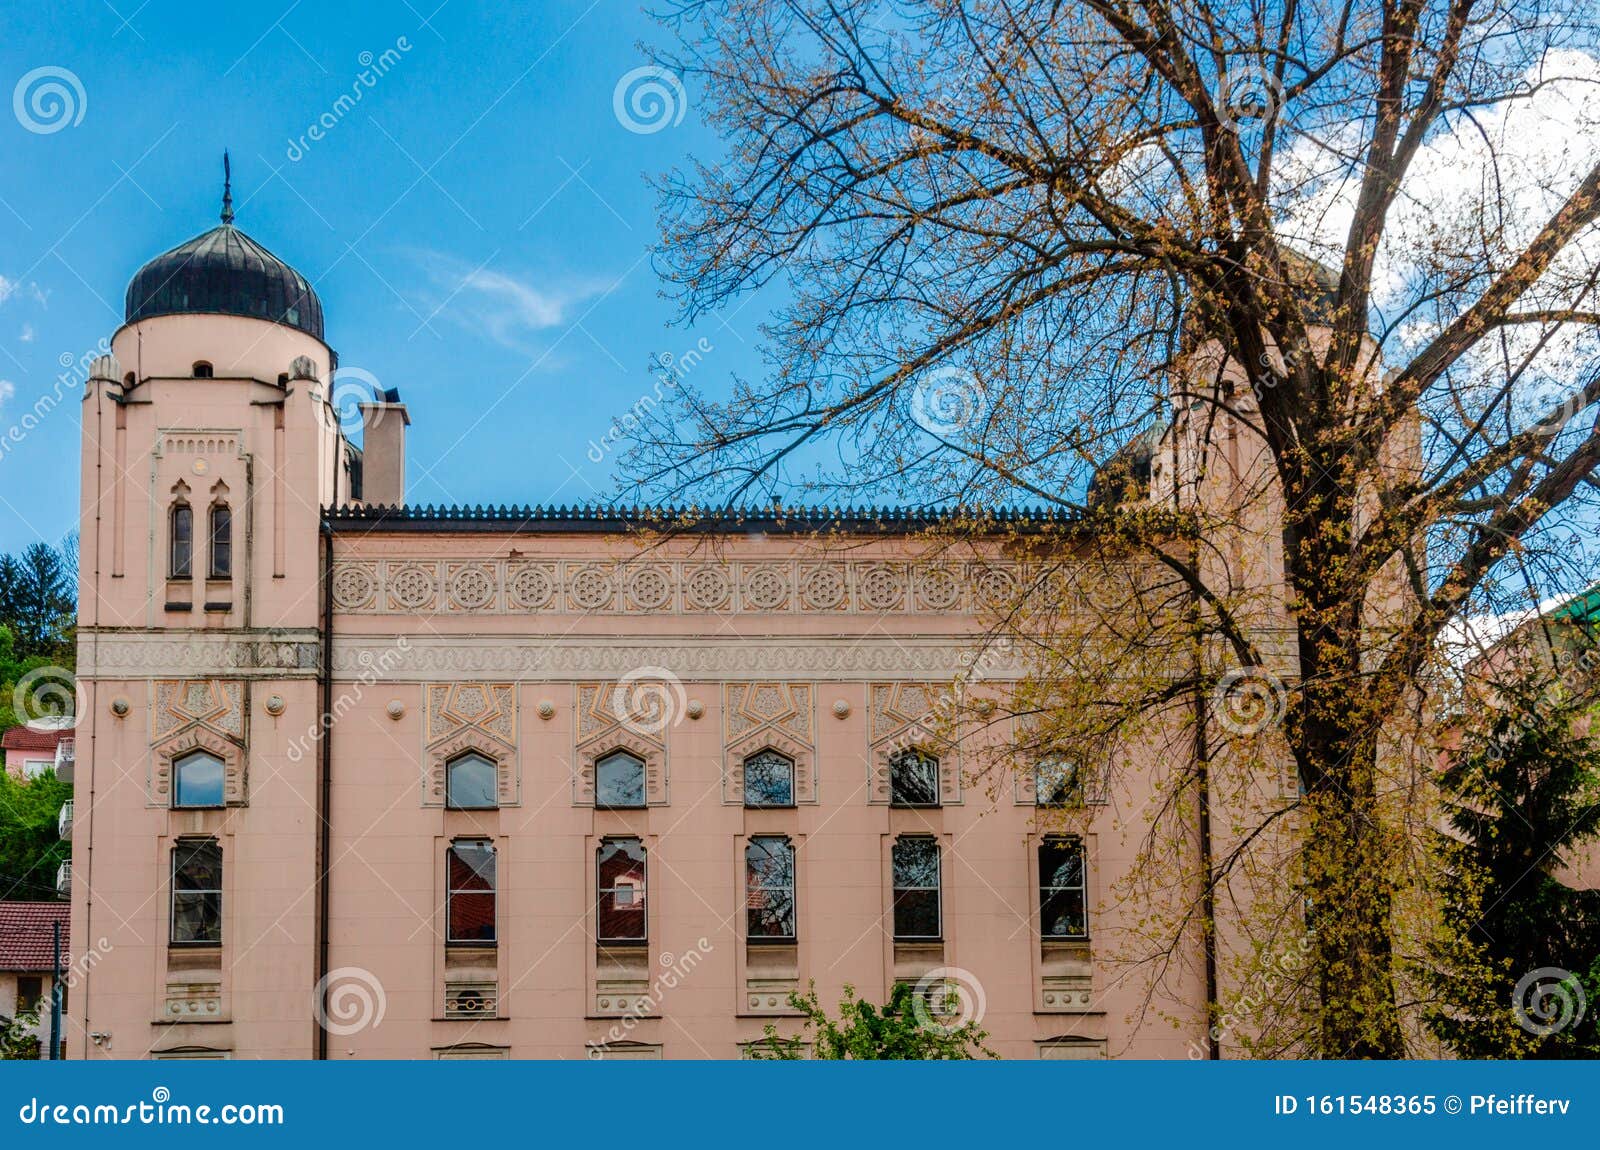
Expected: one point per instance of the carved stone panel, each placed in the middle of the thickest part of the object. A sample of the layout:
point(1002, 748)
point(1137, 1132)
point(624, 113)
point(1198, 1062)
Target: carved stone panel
point(775, 715)
point(479, 718)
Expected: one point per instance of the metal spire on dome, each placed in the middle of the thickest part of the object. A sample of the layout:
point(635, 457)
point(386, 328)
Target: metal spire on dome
point(227, 189)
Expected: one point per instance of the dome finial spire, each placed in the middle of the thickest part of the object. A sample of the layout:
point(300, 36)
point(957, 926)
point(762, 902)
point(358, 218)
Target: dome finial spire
point(227, 188)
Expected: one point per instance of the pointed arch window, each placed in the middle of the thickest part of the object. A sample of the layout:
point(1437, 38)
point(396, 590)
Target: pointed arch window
point(619, 782)
point(221, 564)
point(768, 780)
point(472, 783)
point(180, 546)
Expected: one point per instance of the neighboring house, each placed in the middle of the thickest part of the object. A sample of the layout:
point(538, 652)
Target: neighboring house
point(27, 952)
point(30, 751)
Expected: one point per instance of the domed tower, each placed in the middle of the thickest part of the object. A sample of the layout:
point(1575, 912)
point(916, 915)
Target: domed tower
point(210, 447)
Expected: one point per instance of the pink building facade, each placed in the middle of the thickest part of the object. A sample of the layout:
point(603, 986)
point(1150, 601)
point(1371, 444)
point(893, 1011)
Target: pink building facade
point(360, 781)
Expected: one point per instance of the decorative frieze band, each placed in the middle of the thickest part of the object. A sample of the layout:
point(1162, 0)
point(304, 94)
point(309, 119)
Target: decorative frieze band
point(607, 586)
point(258, 654)
point(543, 658)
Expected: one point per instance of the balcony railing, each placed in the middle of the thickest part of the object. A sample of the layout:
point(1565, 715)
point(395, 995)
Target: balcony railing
point(64, 820)
point(64, 878)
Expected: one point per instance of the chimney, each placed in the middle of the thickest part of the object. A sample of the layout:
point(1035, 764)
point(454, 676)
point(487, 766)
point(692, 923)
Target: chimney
point(383, 449)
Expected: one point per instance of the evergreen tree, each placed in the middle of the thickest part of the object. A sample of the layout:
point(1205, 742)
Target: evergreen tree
point(1520, 951)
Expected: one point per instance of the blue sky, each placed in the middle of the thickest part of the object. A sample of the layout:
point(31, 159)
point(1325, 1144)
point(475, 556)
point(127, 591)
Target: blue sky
point(478, 225)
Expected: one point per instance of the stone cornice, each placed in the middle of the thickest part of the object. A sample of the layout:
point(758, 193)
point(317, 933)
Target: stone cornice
point(111, 653)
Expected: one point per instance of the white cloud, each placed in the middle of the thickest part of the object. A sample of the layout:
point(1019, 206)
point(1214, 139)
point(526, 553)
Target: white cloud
point(502, 305)
point(27, 333)
point(7, 288)
point(7, 390)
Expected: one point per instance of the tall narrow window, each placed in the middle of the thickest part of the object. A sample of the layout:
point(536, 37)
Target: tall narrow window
point(619, 781)
point(196, 893)
point(620, 914)
point(197, 780)
point(181, 538)
point(915, 862)
point(768, 780)
point(469, 895)
point(1061, 889)
point(913, 779)
point(221, 542)
point(769, 888)
point(471, 783)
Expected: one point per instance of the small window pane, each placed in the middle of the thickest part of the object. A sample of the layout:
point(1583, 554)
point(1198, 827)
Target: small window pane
point(197, 892)
point(768, 780)
point(769, 888)
point(197, 781)
point(916, 888)
point(1055, 783)
point(470, 898)
point(621, 915)
point(913, 779)
point(619, 781)
point(1061, 889)
point(471, 783)
point(221, 542)
point(182, 530)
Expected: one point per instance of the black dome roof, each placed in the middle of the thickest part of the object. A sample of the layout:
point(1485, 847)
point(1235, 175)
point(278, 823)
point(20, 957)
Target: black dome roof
point(224, 272)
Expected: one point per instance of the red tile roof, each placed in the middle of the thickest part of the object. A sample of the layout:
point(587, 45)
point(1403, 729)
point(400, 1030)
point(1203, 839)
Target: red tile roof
point(27, 739)
point(25, 934)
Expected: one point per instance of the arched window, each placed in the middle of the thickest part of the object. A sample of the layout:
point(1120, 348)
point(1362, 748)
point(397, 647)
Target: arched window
point(768, 780)
point(471, 783)
point(1056, 782)
point(221, 542)
point(469, 893)
point(129, 380)
point(619, 781)
point(913, 779)
point(620, 910)
point(181, 541)
point(202, 369)
point(197, 780)
point(769, 888)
